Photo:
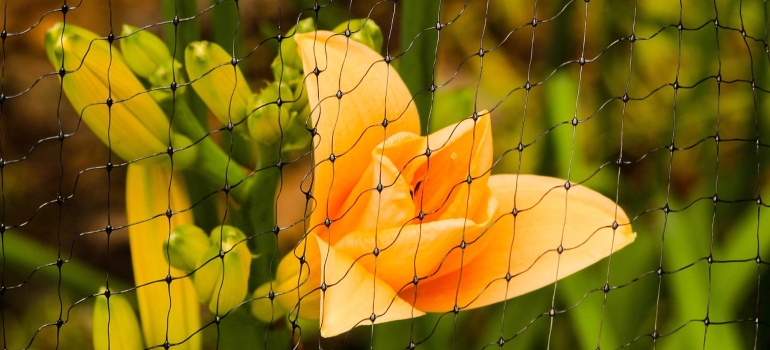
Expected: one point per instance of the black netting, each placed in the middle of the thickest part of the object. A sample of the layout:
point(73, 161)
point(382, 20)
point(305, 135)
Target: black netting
point(320, 174)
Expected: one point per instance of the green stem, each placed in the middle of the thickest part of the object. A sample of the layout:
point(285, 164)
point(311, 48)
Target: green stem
point(212, 160)
point(224, 18)
point(188, 31)
point(260, 210)
point(177, 38)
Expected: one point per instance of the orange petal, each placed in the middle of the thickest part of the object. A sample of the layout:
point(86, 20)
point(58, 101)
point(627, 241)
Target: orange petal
point(354, 294)
point(369, 210)
point(351, 126)
point(457, 151)
point(417, 250)
point(526, 245)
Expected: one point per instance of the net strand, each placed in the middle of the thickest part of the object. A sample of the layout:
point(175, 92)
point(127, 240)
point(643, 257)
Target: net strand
point(682, 145)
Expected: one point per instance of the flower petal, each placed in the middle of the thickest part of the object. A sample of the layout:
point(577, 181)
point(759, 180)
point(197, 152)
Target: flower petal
point(420, 250)
point(349, 127)
point(354, 294)
point(439, 181)
point(526, 246)
point(368, 209)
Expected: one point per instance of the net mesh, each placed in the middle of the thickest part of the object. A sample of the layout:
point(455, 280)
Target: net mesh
point(659, 106)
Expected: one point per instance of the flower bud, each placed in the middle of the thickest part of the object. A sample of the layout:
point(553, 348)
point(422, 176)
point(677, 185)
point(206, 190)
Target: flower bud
point(364, 31)
point(149, 58)
point(151, 190)
point(123, 332)
point(288, 65)
point(185, 246)
point(292, 292)
point(106, 94)
point(263, 122)
point(223, 277)
point(219, 84)
point(164, 74)
point(265, 309)
point(144, 52)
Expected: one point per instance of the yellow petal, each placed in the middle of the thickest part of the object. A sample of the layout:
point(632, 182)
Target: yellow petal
point(526, 246)
point(351, 126)
point(147, 197)
point(354, 294)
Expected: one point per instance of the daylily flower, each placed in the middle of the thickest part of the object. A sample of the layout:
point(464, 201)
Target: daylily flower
point(405, 224)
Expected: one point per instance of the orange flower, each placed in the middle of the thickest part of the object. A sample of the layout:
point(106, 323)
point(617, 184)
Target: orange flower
point(406, 224)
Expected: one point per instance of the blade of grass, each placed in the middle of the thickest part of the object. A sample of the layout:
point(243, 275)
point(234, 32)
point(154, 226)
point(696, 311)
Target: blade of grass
point(224, 18)
point(416, 65)
point(25, 255)
point(688, 238)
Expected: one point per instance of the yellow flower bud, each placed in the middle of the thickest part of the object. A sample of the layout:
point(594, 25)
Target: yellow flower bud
point(168, 311)
point(223, 277)
point(293, 291)
point(265, 309)
point(123, 332)
point(106, 94)
point(219, 84)
point(185, 246)
point(364, 31)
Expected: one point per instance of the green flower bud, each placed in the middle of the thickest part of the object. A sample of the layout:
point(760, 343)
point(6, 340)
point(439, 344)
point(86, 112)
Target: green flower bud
point(291, 76)
point(364, 31)
point(149, 58)
point(164, 74)
point(223, 88)
point(185, 246)
point(222, 282)
point(124, 332)
point(263, 122)
point(287, 66)
point(144, 52)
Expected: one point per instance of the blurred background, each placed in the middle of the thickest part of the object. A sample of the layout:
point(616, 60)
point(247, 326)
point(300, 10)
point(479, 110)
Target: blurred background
point(670, 100)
